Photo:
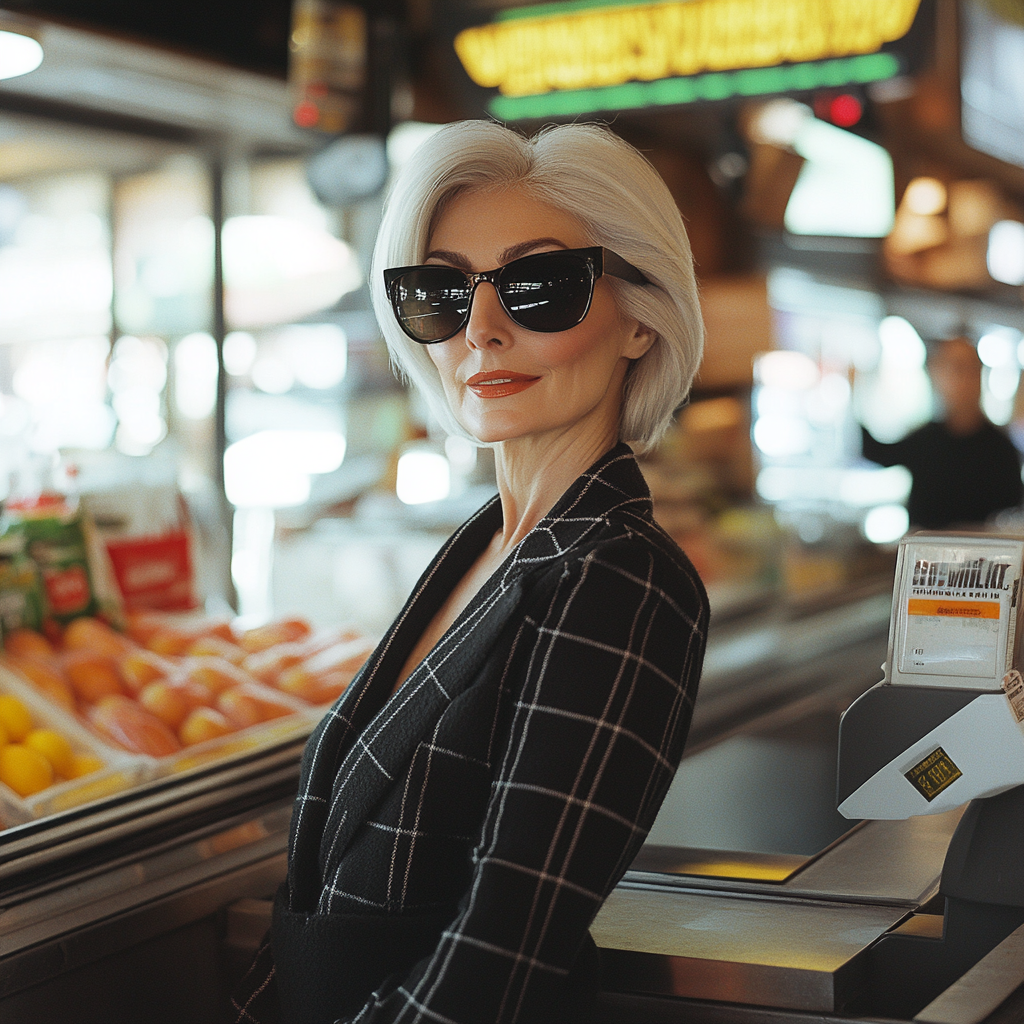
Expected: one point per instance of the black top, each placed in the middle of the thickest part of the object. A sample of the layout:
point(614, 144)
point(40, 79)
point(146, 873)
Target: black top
point(489, 806)
point(957, 479)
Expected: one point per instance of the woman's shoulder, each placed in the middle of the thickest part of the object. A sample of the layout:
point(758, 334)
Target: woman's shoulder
point(630, 548)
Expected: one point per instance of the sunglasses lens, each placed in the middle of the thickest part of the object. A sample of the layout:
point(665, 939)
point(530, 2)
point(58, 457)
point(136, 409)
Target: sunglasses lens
point(547, 292)
point(431, 302)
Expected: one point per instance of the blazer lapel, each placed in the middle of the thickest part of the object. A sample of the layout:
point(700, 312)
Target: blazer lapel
point(376, 734)
point(378, 755)
point(332, 740)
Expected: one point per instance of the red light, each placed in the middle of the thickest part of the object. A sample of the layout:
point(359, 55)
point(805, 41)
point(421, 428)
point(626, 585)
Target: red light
point(845, 110)
point(306, 114)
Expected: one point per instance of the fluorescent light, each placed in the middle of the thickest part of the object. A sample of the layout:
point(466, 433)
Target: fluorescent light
point(423, 476)
point(998, 347)
point(19, 54)
point(925, 196)
point(1006, 252)
point(886, 524)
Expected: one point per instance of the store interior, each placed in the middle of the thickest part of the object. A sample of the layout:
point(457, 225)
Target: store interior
point(188, 355)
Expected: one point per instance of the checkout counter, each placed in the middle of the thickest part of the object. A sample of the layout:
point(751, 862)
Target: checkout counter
point(753, 901)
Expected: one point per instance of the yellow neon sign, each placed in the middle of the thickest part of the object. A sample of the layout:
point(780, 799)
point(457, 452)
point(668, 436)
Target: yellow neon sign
point(608, 46)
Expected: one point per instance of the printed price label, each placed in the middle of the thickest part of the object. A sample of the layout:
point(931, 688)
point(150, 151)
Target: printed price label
point(1013, 687)
point(951, 637)
point(934, 774)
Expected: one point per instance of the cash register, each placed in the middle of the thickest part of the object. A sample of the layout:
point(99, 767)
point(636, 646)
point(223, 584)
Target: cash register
point(945, 727)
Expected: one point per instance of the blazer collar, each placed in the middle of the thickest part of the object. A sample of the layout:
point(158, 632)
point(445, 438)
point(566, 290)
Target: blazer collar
point(368, 737)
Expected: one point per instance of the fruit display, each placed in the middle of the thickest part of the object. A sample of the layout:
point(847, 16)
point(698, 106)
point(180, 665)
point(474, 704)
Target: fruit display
point(43, 757)
point(168, 683)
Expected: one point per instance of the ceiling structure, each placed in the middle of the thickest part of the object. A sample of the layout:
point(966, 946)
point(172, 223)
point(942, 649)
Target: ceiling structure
point(122, 84)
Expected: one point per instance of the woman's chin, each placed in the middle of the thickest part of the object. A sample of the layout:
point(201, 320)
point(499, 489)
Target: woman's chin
point(496, 427)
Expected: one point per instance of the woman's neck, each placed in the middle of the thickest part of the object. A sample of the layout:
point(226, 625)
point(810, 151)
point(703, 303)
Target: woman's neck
point(534, 472)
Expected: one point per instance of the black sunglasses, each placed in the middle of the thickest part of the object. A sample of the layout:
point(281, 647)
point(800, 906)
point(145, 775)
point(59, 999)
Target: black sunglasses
point(544, 292)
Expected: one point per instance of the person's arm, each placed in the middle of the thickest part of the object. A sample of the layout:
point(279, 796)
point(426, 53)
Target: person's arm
point(1008, 489)
point(894, 454)
point(602, 683)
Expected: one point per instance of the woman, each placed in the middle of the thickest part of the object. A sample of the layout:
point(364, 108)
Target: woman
point(467, 805)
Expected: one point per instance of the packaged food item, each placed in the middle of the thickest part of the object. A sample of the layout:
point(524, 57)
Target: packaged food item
point(21, 595)
point(146, 533)
point(53, 534)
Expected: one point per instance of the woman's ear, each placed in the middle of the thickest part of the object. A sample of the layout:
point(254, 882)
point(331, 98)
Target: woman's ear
point(639, 342)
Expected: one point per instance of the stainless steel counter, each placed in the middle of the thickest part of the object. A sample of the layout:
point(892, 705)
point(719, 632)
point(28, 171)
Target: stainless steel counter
point(796, 944)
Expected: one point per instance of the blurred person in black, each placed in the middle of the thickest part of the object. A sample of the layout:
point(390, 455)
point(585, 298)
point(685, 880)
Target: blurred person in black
point(964, 468)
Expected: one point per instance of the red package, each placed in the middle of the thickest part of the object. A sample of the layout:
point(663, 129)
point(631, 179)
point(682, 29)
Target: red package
point(153, 572)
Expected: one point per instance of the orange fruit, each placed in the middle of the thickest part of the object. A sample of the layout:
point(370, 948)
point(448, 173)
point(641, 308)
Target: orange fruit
point(142, 625)
point(216, 674)
point(89, 634)
point(93, 676)
point(170, 641)
point(252, 703)
point(267, 665)
point(204, 724)
point(171, 702)
point(281, 632)
point(217, 645)
point(24, 770)
point(122, 721)
point(25, 642)
point(47, 679)
point(54, 747)
point(14, 717)
point(321, 688)
point(142, 667)
point(84, 764)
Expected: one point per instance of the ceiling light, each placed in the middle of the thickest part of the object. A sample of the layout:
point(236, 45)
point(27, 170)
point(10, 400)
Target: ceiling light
point(925, 196)
point(19, 54)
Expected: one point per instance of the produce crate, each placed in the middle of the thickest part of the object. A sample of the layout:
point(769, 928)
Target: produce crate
point(120, 770)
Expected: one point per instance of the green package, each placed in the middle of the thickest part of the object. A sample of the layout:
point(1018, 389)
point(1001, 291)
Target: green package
point(21, 595)
point(56, 543)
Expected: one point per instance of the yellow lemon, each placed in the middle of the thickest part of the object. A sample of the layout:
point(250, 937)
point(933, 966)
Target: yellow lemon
point(54, 747)
point(25, 770)
point(14, 717)
point(84, 764)
point(4, 738)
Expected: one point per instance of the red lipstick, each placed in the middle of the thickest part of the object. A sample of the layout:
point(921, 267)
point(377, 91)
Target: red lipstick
point(499, 383)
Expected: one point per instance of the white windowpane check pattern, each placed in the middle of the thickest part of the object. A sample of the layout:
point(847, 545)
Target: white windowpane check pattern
point(509, 783)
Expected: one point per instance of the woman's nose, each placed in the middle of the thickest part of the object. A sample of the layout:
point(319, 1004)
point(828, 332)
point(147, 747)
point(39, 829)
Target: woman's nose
point(488, 322)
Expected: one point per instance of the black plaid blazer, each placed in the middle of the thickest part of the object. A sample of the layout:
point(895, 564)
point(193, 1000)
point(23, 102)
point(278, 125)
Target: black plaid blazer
point(487, 809)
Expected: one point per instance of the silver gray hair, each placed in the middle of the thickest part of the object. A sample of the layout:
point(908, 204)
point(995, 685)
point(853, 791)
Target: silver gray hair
point(621, 202)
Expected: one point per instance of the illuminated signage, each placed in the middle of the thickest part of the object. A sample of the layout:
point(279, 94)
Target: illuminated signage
point(585, 47)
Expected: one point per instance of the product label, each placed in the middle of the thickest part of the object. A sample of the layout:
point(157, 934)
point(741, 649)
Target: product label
point(1013, 687)
point(67, 590)
point(956, 610)
point(934, 774)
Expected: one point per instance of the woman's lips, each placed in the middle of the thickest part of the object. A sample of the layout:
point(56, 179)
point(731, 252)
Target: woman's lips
point(499, 383)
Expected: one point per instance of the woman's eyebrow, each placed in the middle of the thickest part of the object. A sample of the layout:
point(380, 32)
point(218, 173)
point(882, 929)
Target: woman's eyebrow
point(452, 259)
point(513, 252)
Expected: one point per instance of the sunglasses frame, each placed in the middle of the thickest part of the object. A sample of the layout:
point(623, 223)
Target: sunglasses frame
point(597, 258)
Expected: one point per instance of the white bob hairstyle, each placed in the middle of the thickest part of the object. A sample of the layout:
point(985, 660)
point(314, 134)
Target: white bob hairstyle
point(621, 203)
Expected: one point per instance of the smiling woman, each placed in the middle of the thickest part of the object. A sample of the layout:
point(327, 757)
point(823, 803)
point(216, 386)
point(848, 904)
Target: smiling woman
point(574, 376)
point(488, 777)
